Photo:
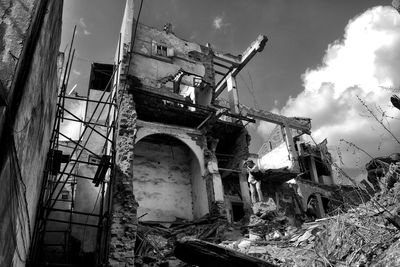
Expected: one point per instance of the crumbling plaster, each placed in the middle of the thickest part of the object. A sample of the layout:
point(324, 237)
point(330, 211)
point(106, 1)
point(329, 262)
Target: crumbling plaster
point(276, 158)
point(187, 135)
point(188, 184)
point(34, 116)
point(150, 68)
point(306, 189)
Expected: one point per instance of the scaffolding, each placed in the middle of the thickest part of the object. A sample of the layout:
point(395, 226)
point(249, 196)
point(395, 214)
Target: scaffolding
point(72, 221)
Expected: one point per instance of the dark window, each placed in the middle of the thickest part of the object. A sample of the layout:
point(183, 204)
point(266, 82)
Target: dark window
point(65, 195)
point(161, 50)
point(100, 77)
point(238, 211)
point(93, 159)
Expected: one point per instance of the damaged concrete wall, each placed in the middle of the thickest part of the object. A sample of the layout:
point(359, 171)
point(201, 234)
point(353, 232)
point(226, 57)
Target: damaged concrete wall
point(156, 55)
point(179, 171)
point(123, 213)
point(275, 154)
point(162, 180)
point(277, 158)
point(30, 33)
point(240, 152)
point(124, 205)
point(151, 67)
point(159, 55)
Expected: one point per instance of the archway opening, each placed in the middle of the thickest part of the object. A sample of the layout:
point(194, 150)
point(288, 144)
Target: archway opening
point(167, 180)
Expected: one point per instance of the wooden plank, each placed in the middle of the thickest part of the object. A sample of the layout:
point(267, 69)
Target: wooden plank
point(201, 253)
point(294, 123)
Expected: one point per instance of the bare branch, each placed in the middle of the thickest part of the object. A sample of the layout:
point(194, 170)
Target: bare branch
point(377, 119)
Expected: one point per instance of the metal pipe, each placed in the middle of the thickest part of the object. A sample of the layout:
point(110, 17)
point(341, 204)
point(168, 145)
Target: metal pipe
point(75, 212)
point(61, 221)
point(76, 146)
point(65, 85)
point(81, 121)
point(89, 123)
point(88, 100)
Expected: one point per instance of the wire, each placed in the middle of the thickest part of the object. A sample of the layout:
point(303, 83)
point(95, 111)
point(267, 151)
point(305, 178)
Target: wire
point(16, 162)
point(25, 126)
point(250, 91)
point(18, 199)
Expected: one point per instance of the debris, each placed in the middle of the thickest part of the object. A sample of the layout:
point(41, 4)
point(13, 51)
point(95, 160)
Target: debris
point(361, 235)
point(203, 253)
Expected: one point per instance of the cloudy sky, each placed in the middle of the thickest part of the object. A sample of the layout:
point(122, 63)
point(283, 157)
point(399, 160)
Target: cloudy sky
point(321, 55)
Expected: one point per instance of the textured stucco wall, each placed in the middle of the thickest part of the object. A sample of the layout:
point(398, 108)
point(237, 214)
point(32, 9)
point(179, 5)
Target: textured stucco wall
point(162, 181)
point(16, 17)
point(34, 118)
point(275, 159)
point(150, 68)
point(306, 189)
point(191, 139)
point(124, 205)
point(140, 64)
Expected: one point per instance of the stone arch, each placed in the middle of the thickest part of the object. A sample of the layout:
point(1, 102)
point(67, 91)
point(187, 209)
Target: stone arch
point(167, 178)
point(194, 147)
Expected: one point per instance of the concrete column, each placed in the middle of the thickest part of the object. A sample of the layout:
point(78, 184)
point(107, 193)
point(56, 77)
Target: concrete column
point(218, 187)
point(215, 189)
point(314, 177)
point(320, 211)
point(216, 180)
point(124, 210)
point(294, 157)
point(313, 170)
point(232, 94)
point(245, 191)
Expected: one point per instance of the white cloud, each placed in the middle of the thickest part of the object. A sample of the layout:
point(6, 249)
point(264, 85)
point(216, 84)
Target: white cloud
point(219, 22)
point(367, 58)
point(82, 23)
point(72, 129)
point(84, 27)
point(74, 71)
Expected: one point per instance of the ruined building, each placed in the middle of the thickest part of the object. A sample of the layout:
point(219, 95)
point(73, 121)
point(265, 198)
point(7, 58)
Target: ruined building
point(157, 143)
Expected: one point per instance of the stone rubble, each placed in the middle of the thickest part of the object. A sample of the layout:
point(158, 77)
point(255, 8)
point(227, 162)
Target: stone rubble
point(366, 235)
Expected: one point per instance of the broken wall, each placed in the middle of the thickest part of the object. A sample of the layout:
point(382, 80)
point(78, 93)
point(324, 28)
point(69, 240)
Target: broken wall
point(275, 154)
point(123, 213)
point(169, 165)
point(30, 33)
point(159, 55)
point(162, 179)
point(236, 189)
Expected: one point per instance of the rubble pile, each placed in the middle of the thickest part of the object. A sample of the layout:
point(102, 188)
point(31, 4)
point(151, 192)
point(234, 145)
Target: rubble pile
point(155, 242)
point(366, 235)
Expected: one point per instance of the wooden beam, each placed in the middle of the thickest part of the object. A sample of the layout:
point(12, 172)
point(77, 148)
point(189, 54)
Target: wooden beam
point(201, 253)
point(256, 46)
point(302, 124)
